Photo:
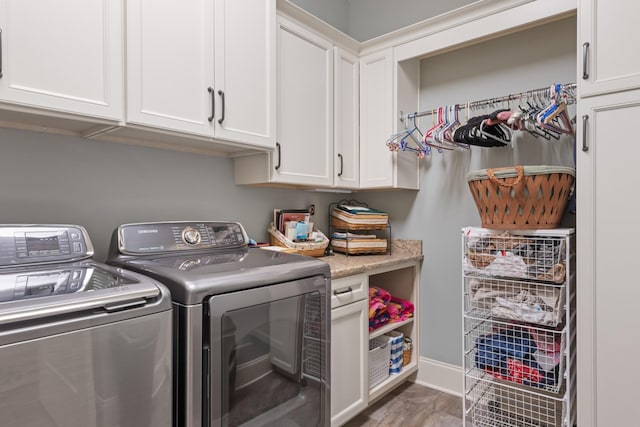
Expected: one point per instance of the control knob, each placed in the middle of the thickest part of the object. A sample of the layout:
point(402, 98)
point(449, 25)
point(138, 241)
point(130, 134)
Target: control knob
point(191, 236)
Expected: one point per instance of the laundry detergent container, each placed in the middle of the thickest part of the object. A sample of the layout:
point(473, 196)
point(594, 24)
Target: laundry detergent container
point(521, 197)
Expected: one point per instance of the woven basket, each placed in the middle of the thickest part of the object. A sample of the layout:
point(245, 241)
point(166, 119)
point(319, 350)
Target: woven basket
point(521, 197)
point(315, 249)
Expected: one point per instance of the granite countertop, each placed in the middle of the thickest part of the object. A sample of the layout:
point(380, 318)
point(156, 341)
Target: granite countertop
point(401, 251)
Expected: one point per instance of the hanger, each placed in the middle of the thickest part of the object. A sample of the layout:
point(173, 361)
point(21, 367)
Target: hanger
point(408, 139)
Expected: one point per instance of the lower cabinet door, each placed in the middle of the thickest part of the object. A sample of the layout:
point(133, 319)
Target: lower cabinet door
point(349, 361)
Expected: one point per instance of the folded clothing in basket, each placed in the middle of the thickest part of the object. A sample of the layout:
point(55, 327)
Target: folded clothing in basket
point(511, 355)
point(505, 255)
point(535, 304)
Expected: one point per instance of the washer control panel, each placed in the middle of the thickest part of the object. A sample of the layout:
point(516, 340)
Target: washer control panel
point(36, 244)
point(162, 237)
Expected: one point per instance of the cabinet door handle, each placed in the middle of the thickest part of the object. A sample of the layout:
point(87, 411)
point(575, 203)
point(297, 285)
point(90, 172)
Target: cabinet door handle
point(585, 54)
point(0, 53)
point(279, 155)
point(341, 164)
point(213, 104)
point(585, 120)
point(346, 291)
point(221, 119)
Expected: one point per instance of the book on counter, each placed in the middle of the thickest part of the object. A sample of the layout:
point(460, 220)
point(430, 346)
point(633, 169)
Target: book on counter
point(359, 215)
point(350, 236)
point(282, 216)
point(360, 210)
point(359, 243)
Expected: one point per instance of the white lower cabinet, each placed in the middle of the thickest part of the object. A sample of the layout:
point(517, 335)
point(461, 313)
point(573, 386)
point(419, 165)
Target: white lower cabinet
point(349, 346)
point(350, 389)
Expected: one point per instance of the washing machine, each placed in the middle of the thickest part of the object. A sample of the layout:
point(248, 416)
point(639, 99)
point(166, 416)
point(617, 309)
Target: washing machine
point(82, 344)
point(251, 325)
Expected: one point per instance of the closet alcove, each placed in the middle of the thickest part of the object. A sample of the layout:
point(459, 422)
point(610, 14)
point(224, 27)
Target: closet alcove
point(517, 62)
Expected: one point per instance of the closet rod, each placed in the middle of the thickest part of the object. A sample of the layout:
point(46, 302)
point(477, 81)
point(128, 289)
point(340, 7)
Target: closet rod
point(545, 91)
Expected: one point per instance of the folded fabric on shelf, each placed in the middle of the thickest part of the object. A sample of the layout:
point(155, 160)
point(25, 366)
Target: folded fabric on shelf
point(399, 309)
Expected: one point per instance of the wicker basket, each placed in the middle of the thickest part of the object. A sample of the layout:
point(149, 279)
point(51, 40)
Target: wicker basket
point(315, 249)
point(521, 197)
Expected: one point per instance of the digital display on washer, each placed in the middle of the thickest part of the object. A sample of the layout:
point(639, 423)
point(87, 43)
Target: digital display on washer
point(42, 243)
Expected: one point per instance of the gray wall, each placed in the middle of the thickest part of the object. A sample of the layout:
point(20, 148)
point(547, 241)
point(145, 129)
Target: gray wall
point(333, 12)
point(372, 18)
point(515, 63)
point(60, 179)
point(366, 19)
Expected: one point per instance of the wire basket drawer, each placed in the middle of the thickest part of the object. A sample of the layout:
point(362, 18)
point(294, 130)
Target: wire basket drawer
point(501, 404)
point(379, 359)
point(531, 357)
point(489, 253)
point(521, 301)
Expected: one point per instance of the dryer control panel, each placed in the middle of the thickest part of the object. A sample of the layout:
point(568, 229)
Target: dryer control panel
point(164, 237)
point(38, 244)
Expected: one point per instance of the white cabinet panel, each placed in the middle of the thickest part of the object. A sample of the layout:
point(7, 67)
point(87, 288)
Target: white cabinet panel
point(611, 30)
point(170, 64)
point(245, 70)
point(346, 119)
point(202, 67)
point(607, 289)
point(377, 163)
point(380, 86)
point(305, 107)
point(349, 361)
point(64, 56)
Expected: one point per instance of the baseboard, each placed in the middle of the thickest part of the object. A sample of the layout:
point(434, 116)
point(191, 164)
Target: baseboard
point(440, 376)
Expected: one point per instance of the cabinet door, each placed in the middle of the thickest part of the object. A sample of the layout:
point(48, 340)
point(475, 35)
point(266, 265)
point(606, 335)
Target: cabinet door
point(245, 71)
point(349, 361)
point(304, 153)
point(607, 178)
point(64, 56)
point(170, 64)
point(612, 32)
point(377, 163)
point(346, 119)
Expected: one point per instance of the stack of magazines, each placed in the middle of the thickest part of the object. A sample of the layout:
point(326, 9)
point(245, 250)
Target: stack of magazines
point(359, 216)
point(355, 230)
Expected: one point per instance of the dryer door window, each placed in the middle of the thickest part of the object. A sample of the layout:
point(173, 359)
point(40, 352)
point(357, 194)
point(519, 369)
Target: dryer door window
point(268, 357)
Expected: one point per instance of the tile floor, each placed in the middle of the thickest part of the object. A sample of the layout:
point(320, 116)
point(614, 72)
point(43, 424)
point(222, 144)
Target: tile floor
point(412, 405)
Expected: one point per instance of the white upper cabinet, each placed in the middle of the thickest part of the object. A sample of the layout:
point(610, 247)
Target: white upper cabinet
point(65, 56)
point(170, 64)
point(346, 118)
point(245, 71)
point(202, 67)
point(304, 153)
point(608, 43)
point(304, 149)
point(379, 167)
point(376, 119)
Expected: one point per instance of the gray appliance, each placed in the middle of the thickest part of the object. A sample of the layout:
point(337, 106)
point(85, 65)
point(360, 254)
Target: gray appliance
point(251, 325)
point(82, 344)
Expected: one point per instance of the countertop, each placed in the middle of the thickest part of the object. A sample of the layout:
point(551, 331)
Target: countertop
point(401, 251)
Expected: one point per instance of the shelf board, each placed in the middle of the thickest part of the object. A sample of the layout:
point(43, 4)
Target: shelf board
point(389, 327)
point(394, 380)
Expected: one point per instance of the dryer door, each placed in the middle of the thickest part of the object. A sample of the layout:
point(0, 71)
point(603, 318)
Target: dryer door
point(268, 355)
